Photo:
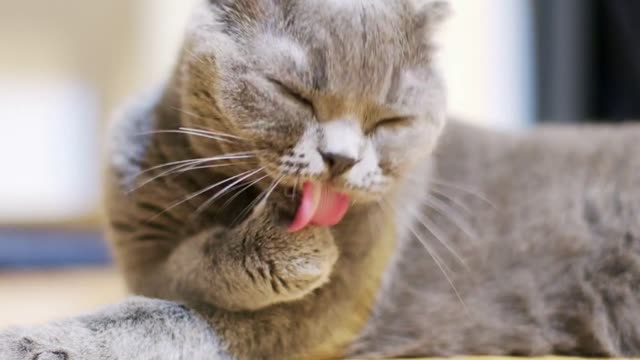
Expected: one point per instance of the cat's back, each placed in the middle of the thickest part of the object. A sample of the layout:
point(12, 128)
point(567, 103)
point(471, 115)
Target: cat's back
point(529, 243)
point(468, 149)
point(548, 172)
point(550, 194)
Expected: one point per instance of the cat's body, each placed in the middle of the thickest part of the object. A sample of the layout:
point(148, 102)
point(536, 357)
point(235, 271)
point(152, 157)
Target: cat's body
point(554, 262)
point(491, 244)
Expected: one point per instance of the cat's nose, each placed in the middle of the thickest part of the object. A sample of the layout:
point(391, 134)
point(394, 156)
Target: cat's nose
point(338, 164)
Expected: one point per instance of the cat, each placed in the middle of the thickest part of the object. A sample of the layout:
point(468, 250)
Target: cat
point(296, 190)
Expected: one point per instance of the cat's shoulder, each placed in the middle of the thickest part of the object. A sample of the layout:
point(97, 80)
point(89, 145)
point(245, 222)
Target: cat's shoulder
point(130, 131)
point(134, 118)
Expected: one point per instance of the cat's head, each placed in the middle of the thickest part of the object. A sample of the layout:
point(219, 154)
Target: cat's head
point(340, 91)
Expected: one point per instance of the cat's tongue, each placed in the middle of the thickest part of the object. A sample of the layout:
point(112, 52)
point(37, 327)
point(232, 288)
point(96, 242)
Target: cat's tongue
point(320, 205)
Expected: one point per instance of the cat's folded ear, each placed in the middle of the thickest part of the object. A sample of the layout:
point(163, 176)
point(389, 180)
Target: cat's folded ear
point(431, 13)
point(243, 10)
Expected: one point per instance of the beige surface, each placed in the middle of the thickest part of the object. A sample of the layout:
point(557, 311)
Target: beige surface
point(30, 298)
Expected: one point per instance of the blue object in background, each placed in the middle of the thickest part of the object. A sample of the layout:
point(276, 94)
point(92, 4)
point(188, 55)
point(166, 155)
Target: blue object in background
point(32, 249)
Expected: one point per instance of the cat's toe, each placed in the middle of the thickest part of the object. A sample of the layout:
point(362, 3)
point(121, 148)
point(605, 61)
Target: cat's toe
point(55, 355)
point(13, 346)
point(307, 264)
point(16, 346)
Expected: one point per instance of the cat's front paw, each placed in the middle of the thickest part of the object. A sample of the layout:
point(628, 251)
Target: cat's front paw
point(18, 345)
point(279, 265)
point(67, 340)
point(298, 263)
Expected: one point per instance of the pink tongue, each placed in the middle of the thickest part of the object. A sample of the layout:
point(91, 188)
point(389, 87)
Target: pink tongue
point(320, 205)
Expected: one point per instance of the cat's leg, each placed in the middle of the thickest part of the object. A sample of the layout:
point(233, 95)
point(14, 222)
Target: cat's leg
point(138, 329)
point(253, 266)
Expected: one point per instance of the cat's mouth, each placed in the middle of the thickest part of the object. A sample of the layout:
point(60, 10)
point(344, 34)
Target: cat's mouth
point(320, 204)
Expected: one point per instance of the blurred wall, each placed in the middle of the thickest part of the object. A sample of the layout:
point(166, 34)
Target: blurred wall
point(64, 65)
point(77, 40)
point(161, 24)
point(588, 60)
point(489, 63)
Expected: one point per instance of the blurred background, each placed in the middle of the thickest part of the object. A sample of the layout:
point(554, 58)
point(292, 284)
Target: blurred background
point(66, 64)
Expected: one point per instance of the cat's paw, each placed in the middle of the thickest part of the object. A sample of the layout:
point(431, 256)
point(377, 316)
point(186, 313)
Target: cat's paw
point(55, 341)
point(17, 345)
point(300, 262)
point(283, 266)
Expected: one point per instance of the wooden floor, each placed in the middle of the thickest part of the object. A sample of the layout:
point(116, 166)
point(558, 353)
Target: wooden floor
point(28, 298)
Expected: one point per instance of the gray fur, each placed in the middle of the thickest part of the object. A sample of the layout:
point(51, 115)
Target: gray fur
point(554, 267)
point(465, 241)
point(136, 329)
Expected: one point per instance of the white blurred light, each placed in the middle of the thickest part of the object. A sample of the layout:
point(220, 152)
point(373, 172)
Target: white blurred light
point(488, 61)
point(48, 151)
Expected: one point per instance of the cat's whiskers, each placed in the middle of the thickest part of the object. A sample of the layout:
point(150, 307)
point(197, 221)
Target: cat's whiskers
point(184, 169)
point(275, 184)
point(230, 156)
point(432, 228)
point(215, 166)
point(210, 132)
point(250, 206)
point(409, 224)
point(181, 131)
point(175, 166)
point(242, 190)
point(238, 182)
point(198, 117)
point(436, 258)
point(263, 196)
point(294, 190)
point(451, 215)
point(443, 268)
point(200, 192)
point(461, 188)
point(453, 199)
point(188, 165)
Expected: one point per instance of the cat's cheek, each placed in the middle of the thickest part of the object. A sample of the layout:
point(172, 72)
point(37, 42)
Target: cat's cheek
point(403, 148)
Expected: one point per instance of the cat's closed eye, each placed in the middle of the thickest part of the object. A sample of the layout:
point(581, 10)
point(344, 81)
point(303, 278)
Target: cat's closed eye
point(392, 122)
point(292, 94)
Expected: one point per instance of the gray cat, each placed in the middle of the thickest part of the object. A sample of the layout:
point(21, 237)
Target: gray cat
point(295, 191)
